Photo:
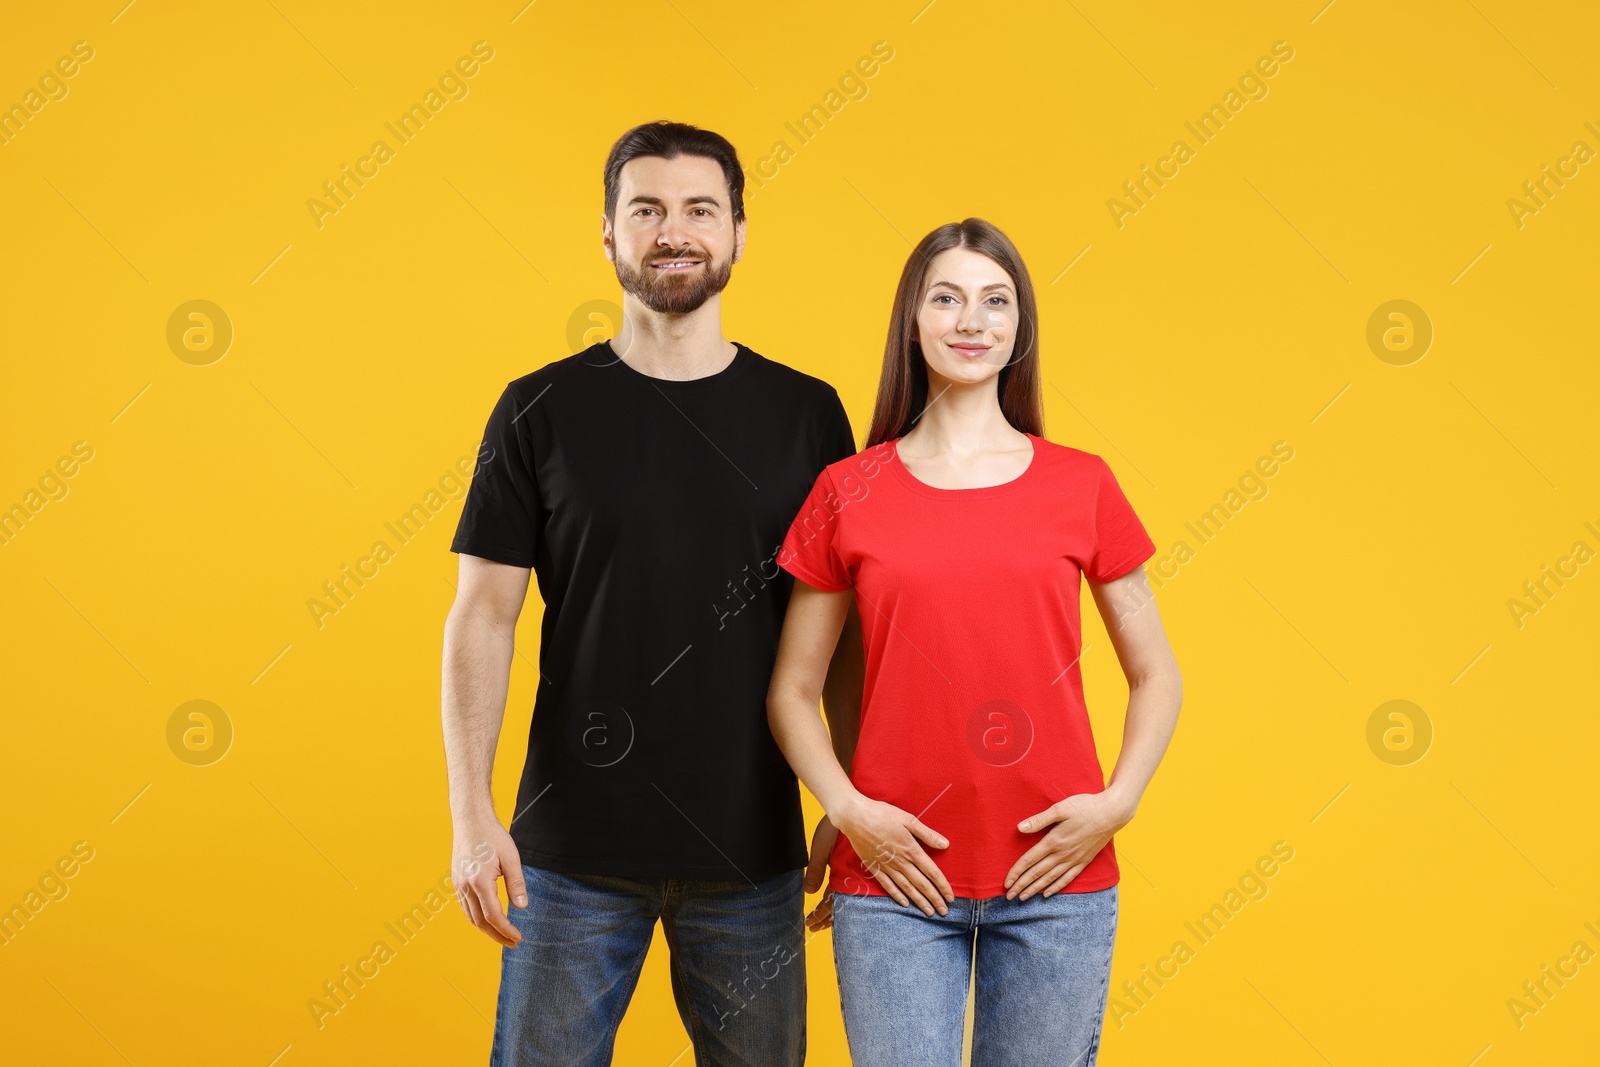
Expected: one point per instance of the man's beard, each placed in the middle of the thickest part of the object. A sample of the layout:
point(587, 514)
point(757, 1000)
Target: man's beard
point(671, 293)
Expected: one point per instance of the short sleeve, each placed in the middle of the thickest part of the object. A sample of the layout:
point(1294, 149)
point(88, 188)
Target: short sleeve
point(838, 440)
point(500, 519)
point(1120, 540)
point(810, 550)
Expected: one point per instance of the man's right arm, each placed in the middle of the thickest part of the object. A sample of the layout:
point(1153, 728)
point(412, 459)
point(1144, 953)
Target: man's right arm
point(479, 638)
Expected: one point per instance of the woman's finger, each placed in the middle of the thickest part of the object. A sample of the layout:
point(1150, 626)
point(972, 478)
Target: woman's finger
point(1028, 880)
point(1043, 878)
point(924, 887)
point(1065, 880)
point(1041, 850)
point(889, 886)
point(1045, 819)
point(911, 891)
point(940, 885)
point(927, 834)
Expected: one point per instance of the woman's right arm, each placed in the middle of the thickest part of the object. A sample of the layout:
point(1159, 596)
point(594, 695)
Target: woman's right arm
point(888, 840)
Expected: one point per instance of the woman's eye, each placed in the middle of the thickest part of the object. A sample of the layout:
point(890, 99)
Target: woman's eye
point(1002, 300)
point(942, 296)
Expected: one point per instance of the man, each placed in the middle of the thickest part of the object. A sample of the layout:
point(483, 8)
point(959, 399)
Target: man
point(649, 481)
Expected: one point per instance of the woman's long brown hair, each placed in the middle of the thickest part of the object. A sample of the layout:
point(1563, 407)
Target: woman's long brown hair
point(903, 385)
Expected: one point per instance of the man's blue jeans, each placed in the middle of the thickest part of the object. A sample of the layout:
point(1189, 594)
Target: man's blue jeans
point(1043, 969)
point(737, 959)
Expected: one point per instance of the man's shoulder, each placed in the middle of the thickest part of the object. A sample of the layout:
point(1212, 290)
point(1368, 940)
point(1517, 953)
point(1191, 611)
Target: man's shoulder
point(792, 381)
point(562, 369)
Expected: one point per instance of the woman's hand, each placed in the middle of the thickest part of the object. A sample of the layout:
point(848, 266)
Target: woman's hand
point(1083, 823)
point(889, 843)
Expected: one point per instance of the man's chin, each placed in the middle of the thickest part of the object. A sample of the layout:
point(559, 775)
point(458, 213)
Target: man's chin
point(668, 294)
point(672, 307)
point(673, 296)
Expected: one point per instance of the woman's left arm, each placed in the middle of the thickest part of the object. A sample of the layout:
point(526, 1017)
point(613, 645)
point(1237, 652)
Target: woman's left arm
point(1085, 822)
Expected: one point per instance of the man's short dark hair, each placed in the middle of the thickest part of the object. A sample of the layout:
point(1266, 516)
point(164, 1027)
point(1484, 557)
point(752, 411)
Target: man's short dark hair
point(667, 140)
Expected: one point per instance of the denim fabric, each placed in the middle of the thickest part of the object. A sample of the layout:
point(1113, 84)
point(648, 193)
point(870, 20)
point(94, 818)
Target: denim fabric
point(737, 958)
point(1043, 969)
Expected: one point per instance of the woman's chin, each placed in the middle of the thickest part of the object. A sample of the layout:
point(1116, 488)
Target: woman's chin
point(975, 373)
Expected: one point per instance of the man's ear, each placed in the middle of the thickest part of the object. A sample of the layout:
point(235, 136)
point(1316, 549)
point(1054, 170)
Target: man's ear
point(607, 238)
point(738, 239)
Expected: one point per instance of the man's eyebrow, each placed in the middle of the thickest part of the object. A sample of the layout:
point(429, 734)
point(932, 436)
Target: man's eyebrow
point(658, 202)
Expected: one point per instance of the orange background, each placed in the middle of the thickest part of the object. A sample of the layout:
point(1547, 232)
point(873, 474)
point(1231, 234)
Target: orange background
point(1228, 313)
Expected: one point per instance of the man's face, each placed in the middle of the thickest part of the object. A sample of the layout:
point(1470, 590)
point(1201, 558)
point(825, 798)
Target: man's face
point(674, 241)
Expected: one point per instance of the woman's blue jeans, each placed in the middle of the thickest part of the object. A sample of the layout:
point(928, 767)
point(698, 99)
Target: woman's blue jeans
point(1040, 970)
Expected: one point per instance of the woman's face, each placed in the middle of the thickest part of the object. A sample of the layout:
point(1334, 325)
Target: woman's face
point(967, 321)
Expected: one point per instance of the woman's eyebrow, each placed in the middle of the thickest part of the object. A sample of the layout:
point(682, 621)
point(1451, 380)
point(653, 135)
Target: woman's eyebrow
point(957, 288)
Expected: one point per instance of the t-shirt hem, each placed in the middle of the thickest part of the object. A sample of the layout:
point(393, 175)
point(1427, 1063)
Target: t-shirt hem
point(1121, 570)
point(971, 892)
point(753, 872)
point(497, 553)
point(813, 579)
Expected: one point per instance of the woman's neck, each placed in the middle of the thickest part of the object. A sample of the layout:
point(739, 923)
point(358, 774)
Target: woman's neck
point(961, 419)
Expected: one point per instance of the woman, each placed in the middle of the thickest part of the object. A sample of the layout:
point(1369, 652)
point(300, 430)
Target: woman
point(974, 826)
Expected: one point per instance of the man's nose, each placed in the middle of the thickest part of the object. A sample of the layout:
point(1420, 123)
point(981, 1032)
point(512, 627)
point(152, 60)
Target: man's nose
point(672, 233)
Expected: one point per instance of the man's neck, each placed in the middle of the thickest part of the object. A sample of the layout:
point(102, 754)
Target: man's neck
point(673, 347)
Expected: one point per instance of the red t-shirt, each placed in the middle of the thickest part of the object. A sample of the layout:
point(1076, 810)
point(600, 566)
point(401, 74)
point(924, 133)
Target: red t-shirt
point(972, 715)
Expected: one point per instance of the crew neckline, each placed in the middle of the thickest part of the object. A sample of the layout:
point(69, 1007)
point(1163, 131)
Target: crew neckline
point(742, 360)
point(918, 485)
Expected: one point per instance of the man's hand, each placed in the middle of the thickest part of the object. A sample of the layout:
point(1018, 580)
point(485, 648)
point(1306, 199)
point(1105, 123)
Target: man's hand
point(889, 843)
point(483, 853)
point(822, 842)
point(1083, 823)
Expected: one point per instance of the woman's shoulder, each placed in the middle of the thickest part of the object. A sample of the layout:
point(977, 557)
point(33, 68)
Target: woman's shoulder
point(1067, 459)
point(866, 463)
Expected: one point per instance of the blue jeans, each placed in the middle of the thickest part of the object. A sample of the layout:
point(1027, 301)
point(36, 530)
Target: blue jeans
point(738, 968)
point(1043, 969)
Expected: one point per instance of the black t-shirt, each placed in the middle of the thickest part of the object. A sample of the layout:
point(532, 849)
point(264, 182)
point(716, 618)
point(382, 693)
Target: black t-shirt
point(651, 512)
